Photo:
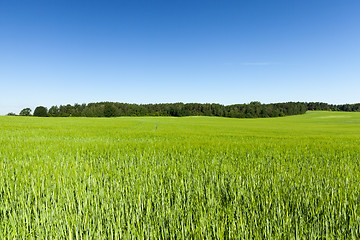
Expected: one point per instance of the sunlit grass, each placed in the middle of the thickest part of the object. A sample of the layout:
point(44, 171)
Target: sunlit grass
point(180, 178)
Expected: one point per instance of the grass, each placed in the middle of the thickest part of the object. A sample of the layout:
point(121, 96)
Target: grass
point(180, 178)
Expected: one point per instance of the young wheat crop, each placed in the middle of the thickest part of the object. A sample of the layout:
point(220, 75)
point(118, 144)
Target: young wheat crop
point(180, 178)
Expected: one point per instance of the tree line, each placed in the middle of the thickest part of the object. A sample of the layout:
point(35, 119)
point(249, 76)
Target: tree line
point(251, 110)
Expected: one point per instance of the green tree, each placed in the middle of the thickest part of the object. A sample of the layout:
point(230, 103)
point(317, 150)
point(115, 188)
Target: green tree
point(109, 110)
point(41, 112)
point(54, 111)
point(25, 112)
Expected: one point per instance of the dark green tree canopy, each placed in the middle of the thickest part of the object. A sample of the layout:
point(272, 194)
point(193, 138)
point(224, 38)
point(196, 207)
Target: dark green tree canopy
point(41, 112)
point(109, 110)
point(251, 110)
point(54, 111)
point(25, 112)
point(115, 109)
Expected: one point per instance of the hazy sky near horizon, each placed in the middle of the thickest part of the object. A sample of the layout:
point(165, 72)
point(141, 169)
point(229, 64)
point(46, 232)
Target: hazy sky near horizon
point(56, 52)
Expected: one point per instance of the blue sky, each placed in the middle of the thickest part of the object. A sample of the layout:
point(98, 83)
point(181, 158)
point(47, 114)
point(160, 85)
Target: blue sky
point(56, 52)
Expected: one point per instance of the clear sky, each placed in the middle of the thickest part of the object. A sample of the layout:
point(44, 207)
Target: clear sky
point(56, 52)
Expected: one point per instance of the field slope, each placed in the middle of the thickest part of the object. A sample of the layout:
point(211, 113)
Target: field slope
point(180, 178)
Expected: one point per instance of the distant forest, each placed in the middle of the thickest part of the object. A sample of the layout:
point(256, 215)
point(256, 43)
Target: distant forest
point(251, 110)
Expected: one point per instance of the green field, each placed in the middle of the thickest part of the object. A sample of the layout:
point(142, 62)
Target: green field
point(180, 178)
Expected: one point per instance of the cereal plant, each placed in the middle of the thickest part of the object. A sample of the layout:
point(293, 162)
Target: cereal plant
point(180, 178)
